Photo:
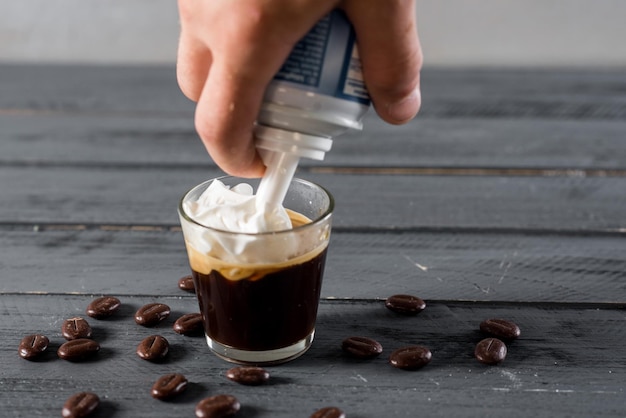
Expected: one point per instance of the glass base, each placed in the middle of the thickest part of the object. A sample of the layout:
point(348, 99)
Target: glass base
point(261, 358)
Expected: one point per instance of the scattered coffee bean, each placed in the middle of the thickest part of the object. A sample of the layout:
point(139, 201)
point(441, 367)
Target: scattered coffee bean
point(500, 328)
point(169, 386)
point(75, 328)
point(152, 314)
point(405, 304)
point(490, 351)
point(328, 412)
point(33, 346)
point(80, 405)
point(248, 375)
point(217, 406)
point(189, 324)
point(79, 349)
point(361, 347)
point(410, 358)
point(153, 348)
point(103, 307)
point(186, 283)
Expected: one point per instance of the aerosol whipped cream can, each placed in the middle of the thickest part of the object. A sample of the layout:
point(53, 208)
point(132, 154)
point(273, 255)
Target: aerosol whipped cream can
point(319, 90)
point(317, 94)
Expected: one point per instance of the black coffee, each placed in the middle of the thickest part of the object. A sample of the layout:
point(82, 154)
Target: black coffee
point(261, 313)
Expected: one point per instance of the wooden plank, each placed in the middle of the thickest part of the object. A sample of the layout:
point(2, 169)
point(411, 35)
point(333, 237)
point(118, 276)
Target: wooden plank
point(477, 93)
point(149, 195)
point(488, 143)
point(523, 93)
point(99, 89)
point(94, 140)
point(436, 266)
point(568, 361)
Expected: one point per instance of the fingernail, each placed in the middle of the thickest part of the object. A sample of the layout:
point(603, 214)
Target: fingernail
point(405, 108)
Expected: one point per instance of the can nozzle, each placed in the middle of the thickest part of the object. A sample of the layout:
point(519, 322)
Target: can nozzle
point(281, 151)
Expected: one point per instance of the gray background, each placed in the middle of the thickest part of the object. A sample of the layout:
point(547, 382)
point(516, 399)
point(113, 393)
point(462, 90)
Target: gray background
point(517, 33)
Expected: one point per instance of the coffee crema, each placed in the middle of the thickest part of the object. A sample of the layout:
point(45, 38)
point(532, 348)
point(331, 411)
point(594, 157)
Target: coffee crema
point(206, 263)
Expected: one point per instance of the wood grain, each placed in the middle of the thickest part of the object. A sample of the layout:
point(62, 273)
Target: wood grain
point(471, 93)
point(504, 199)
point(98, 89)
point(150, 195)
point(435, 266)
point(557, 362)
point(128, 140)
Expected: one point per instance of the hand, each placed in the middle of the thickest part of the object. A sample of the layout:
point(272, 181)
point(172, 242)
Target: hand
point(229, 51)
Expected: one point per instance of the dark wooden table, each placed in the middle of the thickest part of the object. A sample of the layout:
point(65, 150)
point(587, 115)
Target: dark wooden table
point(505, 198)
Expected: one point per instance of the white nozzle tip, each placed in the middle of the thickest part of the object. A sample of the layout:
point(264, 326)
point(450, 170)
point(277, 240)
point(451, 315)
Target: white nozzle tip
point(279, 140)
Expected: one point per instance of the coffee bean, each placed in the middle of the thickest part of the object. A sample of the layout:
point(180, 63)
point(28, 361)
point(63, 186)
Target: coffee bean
point(152, 314)
point(189, 324)
point(74, 328)
point(169, 386)
point(103, 307)
point(410, 358)
point(490, 351)
point(153, 348)
point(361, 347)
point(217, 406)
point(79, 349)
point(405, 304)
point(186, 283)
point(80, 405)
point(248, 375)
point(33, 346)
point(500, 328)
point(328, 412)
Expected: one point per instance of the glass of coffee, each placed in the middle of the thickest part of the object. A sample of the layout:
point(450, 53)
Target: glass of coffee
point(259, 292)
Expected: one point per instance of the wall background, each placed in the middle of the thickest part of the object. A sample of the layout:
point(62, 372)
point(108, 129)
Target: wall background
point(580, 33)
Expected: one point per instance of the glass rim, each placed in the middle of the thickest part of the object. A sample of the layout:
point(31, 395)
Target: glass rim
point(325, 215)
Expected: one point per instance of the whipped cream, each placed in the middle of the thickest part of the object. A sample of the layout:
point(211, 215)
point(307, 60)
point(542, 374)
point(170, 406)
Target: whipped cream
point(237, 209)
point(239, 227)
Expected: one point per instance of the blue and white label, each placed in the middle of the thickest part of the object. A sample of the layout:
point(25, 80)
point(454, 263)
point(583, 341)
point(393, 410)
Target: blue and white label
point(326, 61)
